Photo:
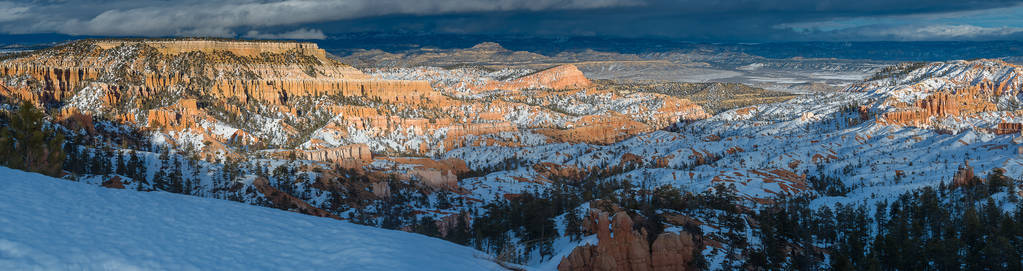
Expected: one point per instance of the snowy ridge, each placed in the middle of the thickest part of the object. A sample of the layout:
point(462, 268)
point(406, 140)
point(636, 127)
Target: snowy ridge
point(56, 224)
point(771, 151)
point(809, 135)
point(918, 83)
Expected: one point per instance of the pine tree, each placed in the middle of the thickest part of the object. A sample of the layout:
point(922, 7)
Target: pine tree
point(972, 236)
point(193, 187)
point(106, 156)
point(176, 185)
point(95, 162)
point(119, 164)
point(134, 167)
point(161, 179)
point(459, 232)
point(188, 187)
point(55, 158)
point(442, 200)
point(26, 144)
point(8, 156)
point(427, 226)
point(390, 222)
point(74, 160)
point(841, 263)
point(573, 225)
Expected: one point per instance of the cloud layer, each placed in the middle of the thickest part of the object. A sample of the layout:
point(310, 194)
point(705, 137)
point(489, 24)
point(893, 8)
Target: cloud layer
point(299, 34)
point(932, 32)
point(726, 20)
point(224, 18)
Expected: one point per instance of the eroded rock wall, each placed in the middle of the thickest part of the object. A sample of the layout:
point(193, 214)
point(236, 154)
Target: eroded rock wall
point(628, 249)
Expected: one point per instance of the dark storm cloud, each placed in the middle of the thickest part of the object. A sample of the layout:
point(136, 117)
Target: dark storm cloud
point(721, 21)
point(224, 18)
point(727, 20)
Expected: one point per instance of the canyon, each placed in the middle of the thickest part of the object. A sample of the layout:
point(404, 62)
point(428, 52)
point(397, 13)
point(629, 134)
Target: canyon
point(662, 175)
point(292, 91)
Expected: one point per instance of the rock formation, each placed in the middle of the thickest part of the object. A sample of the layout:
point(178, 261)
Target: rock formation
point(113, 182)
point(926, 96)
point(358, 152)
point(1009, 128)
point(288, 202)
point(217, 95)
point(558, 77)
point(970, 100)
point(628, 249)
point(965, 176)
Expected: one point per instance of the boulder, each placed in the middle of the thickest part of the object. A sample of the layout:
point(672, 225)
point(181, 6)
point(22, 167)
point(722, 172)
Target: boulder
point(114, 182)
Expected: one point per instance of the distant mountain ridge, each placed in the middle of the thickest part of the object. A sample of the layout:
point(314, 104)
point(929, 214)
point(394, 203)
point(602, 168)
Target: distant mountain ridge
point(346, 43)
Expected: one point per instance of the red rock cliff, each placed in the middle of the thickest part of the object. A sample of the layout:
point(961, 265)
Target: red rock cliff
point(628, 249)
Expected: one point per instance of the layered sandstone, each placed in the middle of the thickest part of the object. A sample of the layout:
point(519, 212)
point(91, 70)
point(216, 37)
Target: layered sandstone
point(269, 72)
point(598, 129)
point(965, 176)
point(628, 249)
point(1009, 128)
point(189, 86)
point(558, 77)
point(498, 107)
point(241, 48)
point(434, 172)
point(220, 95)
point(359, 152)
point(937, 92)
point(939, 105)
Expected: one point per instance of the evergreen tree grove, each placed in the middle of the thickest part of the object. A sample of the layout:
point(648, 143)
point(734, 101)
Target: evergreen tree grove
point(26, 144)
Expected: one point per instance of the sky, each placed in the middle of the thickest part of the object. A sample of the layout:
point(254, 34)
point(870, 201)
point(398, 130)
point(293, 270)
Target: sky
point(693, 20)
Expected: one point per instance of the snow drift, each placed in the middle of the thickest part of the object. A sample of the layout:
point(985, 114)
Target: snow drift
point(54, 224)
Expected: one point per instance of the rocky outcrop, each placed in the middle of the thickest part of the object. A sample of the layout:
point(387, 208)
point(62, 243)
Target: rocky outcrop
point(284, 201)
point(359, 152)
point(264, 71)
point(670, 250)
point(558, 77)
point(436, 178)
point(381, 190)
point(597, 130)
point(942, 94)
point(965, 176)
point(482, 53)
point(1009, 128)
point(553, 171)
point(222, 95)
point(939, 105)
point(500, 112)
point(114, 182)
point(240, 48)
point(628, 249)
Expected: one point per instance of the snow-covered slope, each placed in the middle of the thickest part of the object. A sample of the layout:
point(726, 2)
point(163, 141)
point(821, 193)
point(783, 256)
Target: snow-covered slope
point(52, 224)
